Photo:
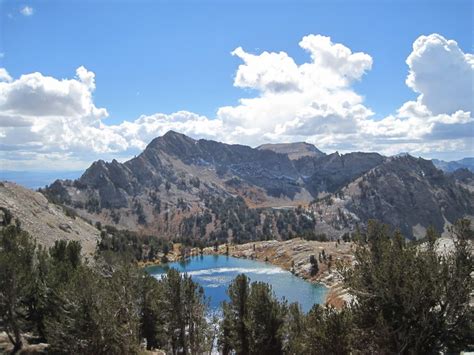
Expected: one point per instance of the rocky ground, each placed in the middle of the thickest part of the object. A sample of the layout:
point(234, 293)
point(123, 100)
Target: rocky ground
point(45, 221)
point(294, 255)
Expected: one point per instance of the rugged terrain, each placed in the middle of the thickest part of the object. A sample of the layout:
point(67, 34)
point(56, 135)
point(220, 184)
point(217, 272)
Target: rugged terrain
point(294, 151)
point(407, 193)
point(45, 221)
point(187, 188)
point(451, 166)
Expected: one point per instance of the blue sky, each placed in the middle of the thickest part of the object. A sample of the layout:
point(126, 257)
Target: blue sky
point(166, 56)
point(151, 56)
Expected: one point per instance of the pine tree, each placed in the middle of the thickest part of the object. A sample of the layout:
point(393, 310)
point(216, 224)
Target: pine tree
point(17, 252)
point(410, 298)
point(265, 320)
point(235, 316)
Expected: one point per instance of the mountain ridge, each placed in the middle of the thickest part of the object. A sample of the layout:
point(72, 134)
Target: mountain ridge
point(177, 178)
point(293, 150)
point(451, 166)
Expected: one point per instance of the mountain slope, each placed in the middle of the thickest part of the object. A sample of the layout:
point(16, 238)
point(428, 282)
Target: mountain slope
point(45, 221)
point(177, 170)
point(331, 172)
point(179, 186)
point(407, 193)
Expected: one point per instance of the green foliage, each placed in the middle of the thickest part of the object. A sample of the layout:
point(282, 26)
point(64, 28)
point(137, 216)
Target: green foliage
point(411, 299)
point(293, 330)
point(154, 320)
point(92, 205)
point(130, 245)
point(235, 333)
point(7, 216)
point(138, 210)
point(328, 331)
point(234, 218)
point(194, 181)
point(180, 312)
point(97, 314)
point(17, 274)
point(314, 265)
point(253, 319)
point(107, 308)
point(265, 320)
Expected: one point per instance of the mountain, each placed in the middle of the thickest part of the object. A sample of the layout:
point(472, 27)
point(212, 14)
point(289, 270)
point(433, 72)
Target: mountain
point(186, 188)
point(464, 177)
point(294, 151)
point(45, 221)
point(407, 193)
point(450, 166)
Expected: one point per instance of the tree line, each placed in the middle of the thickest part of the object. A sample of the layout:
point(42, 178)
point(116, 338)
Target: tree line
point(408, 298)
point(100, 306)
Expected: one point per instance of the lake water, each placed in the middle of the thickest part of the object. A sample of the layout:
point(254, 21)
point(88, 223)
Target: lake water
point(215, 272)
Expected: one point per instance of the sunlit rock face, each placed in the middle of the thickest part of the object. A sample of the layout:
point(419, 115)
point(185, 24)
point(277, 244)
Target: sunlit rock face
point(176, 176)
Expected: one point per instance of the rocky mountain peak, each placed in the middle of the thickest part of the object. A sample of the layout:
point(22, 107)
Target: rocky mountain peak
point(178, 175)
point(294, 151)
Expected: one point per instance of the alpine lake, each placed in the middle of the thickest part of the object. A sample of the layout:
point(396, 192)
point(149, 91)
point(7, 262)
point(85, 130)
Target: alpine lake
point(215, 272)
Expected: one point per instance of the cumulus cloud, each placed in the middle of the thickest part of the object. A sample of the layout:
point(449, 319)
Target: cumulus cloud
point(140, 132)
point(297, 101)
point(4, 76)
point(27, 11)
point(44, 115)
point(441, 118)
point(43, 96)
point(315, 101)
point(442, 74)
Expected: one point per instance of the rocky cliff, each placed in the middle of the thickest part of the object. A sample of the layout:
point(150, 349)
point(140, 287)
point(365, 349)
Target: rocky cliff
point(294, 151)
point(407, 193)
point(177, 180)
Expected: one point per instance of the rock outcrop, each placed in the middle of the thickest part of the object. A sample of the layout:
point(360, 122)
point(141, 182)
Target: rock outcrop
point(176, 176)
point(407, 193)
point(294, 151)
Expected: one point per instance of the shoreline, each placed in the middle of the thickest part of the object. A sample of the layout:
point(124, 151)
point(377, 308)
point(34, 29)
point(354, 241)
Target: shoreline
point(292, 255)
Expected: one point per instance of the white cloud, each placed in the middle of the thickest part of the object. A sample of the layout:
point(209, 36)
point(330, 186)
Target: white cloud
point(42, 96)
point(442, 74)
point(27, 11)
point(310, 100)
point(441, 119)
point(140, 132)
point(43, 117)
point(4, 76)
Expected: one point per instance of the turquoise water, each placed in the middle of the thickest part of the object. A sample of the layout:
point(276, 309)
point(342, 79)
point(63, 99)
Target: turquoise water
point(215, 272)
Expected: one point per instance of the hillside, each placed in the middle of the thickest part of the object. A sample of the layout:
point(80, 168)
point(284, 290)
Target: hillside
point(45, 221)
point(185, 188)
point(407, 193)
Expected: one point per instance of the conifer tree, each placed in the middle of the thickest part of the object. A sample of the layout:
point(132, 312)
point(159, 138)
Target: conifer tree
point(16, 279)
point(412, 298)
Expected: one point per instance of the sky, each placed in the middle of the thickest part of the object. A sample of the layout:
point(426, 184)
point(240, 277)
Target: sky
point(88, 80)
